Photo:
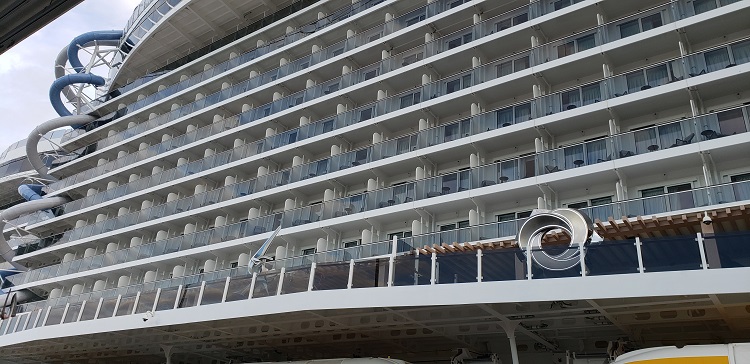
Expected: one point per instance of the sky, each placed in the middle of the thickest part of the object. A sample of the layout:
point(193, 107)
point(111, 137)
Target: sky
point(26, 70)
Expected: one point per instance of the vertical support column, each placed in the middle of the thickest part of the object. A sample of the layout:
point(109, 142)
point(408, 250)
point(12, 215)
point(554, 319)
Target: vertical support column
point(80, 313)
point(117, 306)
point(709, 245)
point(392, 261)
point(156, 300)
point(582, 254)
point(312, 277)
point(179, 295)
point(36, 320)
point(200, 294)
point(640, 254)
point(529, 262)
point(46, 315)
point(226, 290)
point(252, 285)
point(702, 250)
point(135, 303)
point(29, 324)
point(416, 267)
point(281, 281)
point(351, 274)
point(65, 312)
point(510, 330)
point(6, 329)
point(479, 265)
point(433, 269)
point(167, 352)
point(15, 326)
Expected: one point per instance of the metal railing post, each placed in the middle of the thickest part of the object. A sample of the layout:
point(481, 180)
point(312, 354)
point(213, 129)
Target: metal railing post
point(311, 281)
point(582, 255)
point(479, 265)
point(200, 294)
point(392, 261)
point(135, 303)
point(702, 250)
point(528, 262)
point(226, 290)
point(252, 285)
point(153, 307)
point(351, 274)
point(117, 306)
point(433, 269)
point(639, 251)
point(281, 281)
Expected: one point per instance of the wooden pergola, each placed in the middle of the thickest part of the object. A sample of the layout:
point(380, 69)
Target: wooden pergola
point(729, 219)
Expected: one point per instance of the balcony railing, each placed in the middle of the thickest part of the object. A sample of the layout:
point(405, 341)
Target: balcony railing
point(638, 142)
point(646, 140)
point(721, 124)
point(631, 82)
point(324, 88)
point(419, 190)
point(300, 64)
point(346, 269)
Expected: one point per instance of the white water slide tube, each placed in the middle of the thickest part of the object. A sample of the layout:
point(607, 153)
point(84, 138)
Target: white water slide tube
point(36, 202)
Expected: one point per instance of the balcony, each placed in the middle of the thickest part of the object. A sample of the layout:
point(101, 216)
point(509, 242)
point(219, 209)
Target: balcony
point(624, 145)
point(402, 194)
point(293, 67)
point(388, 264)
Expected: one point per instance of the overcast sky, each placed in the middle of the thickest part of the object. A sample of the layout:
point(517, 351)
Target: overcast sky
point(26, 70)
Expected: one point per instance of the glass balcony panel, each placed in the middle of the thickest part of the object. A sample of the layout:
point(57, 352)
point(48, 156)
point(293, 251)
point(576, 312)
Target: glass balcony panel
point(89, 309)
point(72, 315)
point(616, 257)
point(189, 295)
point(730, 249)
point(456, 268)
point(539, 272)
point(410, 270)
point(503, 265)
point(369, 273)
point(126, 305)
point(266, 284)
point(36, 311)
point(146, 302)
point(167, 299)
point(239, 288)
point(295, 280)
point(10, 323)
point(23, 320)
point(671, 254)
point(107, 307)
point(213, 292)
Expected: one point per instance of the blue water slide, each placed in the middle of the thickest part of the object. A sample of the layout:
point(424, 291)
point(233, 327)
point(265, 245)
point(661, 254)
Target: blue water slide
point(59, 84)
point(30, 192)
point(86, 39)
point(33, 193)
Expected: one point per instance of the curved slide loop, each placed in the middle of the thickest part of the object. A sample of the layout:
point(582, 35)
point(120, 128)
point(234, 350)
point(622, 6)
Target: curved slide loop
point(62, 60)
point(86, 39)
point(576, 224)
point(36, 135)
point(63, 82)
point(33, 193)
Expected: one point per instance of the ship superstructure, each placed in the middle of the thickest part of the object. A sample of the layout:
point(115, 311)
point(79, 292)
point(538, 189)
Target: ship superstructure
point(292, 180)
